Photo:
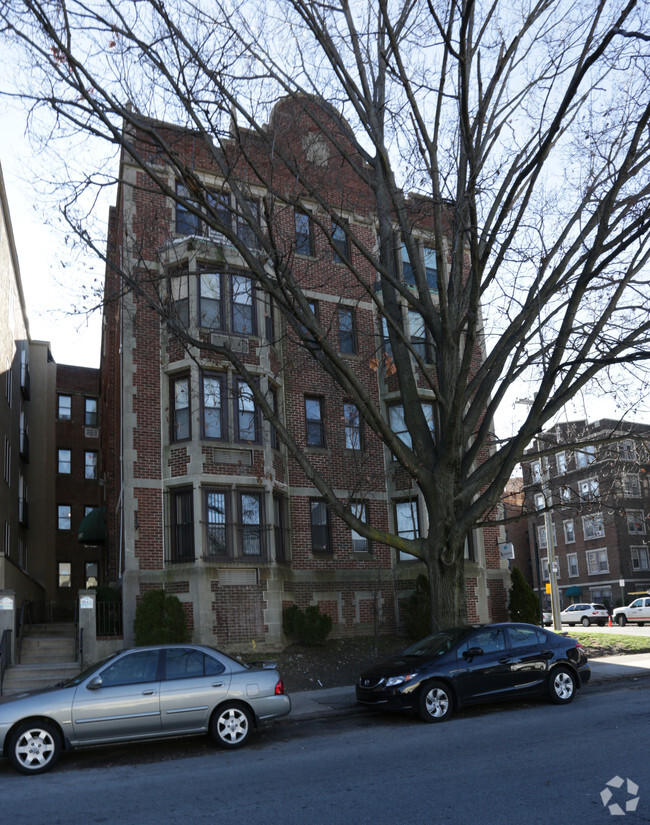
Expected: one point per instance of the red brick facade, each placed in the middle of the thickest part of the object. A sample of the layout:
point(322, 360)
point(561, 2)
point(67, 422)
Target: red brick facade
point(226, 522)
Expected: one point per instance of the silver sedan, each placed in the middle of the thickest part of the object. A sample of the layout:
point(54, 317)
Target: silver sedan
point(137, 694)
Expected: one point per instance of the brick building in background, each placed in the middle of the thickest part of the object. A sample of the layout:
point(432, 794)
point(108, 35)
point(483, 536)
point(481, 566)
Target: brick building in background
point(80, 532)
point(202, 498)
point(600, 500)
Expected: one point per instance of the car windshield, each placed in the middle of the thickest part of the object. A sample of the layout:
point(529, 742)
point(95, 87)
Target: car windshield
point(76, 680)
point(437, 643)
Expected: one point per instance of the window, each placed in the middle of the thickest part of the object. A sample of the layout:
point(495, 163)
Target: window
point(346, 330)
point(7, 468)
point(340, 243)
point(525, 637)
point(92, 573)
point(181, 525)
point(635, 522)
point(545, 574)
point(304, 234)
point(360, 544)
point(569, 531)
point(419, 337)
point(64, 517)
point(589, 489)
point(640, 560)
point(64, 412)
point(65, 574)
point(90, 412)
point(243, 315)
point(541, 536)
point(314, 422)
point(247, 225)
point(535, 472)
point(632, 486)
point(572, 564)
point(180, 404)
point(407, 523)
point(248, 420)
point(179, 291)
point(213, 418)
point(398, 424)
point(352, 421)
point(627, 450)
point(7, 539)
point(250, 513)
point(320, 526)
point(586, 456)
point(602, 595)
point(215, 504)
point(385, 338)
point(90, 464)
point(135, 668)
point(593, 526)
point(430, 267)
point(210, 300)
point(187, 222)
point(560, 460)
point(9, 382)
point(186, 663)
point(565, 494)
point(540, 501)
point(426, 256)
point(597, 562)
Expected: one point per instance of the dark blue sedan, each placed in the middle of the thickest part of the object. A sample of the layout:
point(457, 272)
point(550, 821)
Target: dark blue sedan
point(469, 665)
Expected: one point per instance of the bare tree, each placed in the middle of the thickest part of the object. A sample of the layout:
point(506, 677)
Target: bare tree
point(521, 132)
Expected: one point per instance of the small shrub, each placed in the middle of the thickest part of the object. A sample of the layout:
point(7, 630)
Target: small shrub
point(160, 619)
point(417, 611)
point(310, 626)
point(523, 605)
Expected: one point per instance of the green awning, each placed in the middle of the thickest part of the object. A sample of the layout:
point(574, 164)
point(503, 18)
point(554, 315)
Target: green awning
point(92, 529)
point(572, 591)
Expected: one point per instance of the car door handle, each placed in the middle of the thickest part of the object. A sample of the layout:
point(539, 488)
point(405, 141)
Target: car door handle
point(217, 684)
point(148, 692)
point(505, 660)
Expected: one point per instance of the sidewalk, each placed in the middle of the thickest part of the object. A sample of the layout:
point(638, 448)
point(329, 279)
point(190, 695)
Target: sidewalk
point(316, 704)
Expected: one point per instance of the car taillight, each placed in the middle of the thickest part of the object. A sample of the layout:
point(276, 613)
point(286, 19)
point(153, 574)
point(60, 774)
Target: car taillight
point(279, 688)
point(582, 647)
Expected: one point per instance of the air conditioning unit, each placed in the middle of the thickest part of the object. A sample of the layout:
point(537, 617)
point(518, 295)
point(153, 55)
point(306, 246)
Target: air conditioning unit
point(91, 432)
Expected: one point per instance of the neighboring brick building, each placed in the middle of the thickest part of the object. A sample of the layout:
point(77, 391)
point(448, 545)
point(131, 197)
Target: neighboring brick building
point(79, 565)
point(202, 498)
point(600, 501)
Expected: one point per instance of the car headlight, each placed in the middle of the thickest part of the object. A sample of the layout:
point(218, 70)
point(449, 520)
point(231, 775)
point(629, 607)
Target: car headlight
point(399, 680)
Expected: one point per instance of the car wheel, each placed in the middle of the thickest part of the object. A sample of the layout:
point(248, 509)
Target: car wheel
point(586, 621)
point(34, 747)
point(436, 702)
point(231, 725)
point(622, 621)
point(562, 686)
point(640, 624)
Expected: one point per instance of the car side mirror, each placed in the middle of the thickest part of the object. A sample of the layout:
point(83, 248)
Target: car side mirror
point(472, 652)
point(95, 683)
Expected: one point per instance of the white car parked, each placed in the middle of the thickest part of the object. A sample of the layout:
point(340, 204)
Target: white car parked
point(638, 611)
point(584, 614)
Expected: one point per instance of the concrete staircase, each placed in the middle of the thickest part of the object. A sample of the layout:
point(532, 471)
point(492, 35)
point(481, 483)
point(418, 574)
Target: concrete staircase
point(47, 656)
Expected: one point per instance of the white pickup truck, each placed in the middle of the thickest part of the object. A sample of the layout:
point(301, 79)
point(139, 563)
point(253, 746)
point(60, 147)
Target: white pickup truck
point(638, 611)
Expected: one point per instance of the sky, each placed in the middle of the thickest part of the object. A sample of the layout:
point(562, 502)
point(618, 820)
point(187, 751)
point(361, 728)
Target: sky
point(50, 289)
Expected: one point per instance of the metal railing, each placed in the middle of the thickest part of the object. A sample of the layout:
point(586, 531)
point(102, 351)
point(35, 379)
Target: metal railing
point(5, 655)
point(108, 618)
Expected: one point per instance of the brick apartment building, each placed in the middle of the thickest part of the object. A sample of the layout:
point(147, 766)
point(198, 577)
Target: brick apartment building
point(202, 497)
point(600, 501)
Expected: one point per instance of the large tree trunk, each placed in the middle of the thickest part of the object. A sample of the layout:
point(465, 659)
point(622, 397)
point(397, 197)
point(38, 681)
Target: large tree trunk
point(447, 591)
